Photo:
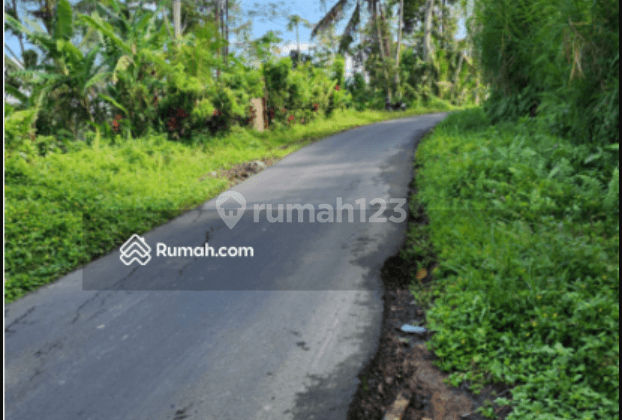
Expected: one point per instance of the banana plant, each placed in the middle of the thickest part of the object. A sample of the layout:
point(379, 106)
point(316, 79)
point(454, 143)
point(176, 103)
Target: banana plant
point(65, 82)
point(129, 36)
point(133, 50)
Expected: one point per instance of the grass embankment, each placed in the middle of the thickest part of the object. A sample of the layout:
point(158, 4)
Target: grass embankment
point(525, 228)
point(129, 188)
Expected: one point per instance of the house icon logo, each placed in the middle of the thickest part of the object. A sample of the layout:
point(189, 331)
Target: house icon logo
point(135, 249)
point(231, 206)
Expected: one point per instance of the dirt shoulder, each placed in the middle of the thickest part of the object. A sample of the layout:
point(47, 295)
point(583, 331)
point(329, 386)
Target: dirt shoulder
point(401, 382)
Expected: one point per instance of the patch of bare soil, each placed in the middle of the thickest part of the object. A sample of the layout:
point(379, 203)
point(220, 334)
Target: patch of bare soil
point(401, 381)
point(243, 170)
point(247, 169)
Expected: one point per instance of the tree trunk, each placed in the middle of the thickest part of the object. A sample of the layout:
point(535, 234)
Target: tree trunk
point(380, 42)
point(385, 37)
point(227, 30)
point(427, 28)
point(222, 26)
point(399, 47)
point(443, 17)
point(399, 32)
point(87, 106)
point(217, 20)
point(457, 76)
point(297, 42)
point(177, 18)
point(222, 33)
point(332, 40)
point(378, 34)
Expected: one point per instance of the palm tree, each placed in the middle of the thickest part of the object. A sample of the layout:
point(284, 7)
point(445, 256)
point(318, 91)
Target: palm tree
point(294, 21)
point(335, 14)
point(377, 11)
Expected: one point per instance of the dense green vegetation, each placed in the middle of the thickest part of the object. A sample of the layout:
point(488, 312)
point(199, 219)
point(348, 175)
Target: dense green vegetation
point(525, 226)
point(115, 68)
point(522, 196)
point(113, 112)
point(556, 59)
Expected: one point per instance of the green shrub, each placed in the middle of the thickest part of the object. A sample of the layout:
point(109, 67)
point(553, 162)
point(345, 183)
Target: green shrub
point(277, 77)
point(18, 127)
point(358, 89)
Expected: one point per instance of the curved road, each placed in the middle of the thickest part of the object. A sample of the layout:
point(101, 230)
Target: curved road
point(281, 335)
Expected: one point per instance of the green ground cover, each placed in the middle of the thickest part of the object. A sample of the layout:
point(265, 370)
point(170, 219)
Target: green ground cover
point(525, 230)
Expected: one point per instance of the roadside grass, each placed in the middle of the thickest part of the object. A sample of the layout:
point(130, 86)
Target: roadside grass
point(525, 227)
point(129, 187)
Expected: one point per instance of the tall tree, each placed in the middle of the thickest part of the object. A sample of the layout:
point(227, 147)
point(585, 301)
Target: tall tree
point(384, 29)
point(334, 15)
point(399, 46)
point(226, 32)
point(294, 22)
point(177, 18)
point(376, 13)
point(348, 34)
point(427, 36)
point(217, 22)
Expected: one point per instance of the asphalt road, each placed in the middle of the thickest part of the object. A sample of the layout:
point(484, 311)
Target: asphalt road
point(280, 335)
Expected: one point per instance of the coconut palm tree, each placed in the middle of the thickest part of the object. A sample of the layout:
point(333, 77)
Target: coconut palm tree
point(335, 14)
point(294, 22)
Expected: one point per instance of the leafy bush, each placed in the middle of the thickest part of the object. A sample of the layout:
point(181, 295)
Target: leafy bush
point(358, 89)
point(437, 103)
point(18, 126)
point(277, 76)
point(301, 92)
point(526, 229)
point(21, 138)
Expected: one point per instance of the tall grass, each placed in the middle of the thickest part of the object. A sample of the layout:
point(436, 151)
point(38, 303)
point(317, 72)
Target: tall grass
point(558, 59)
